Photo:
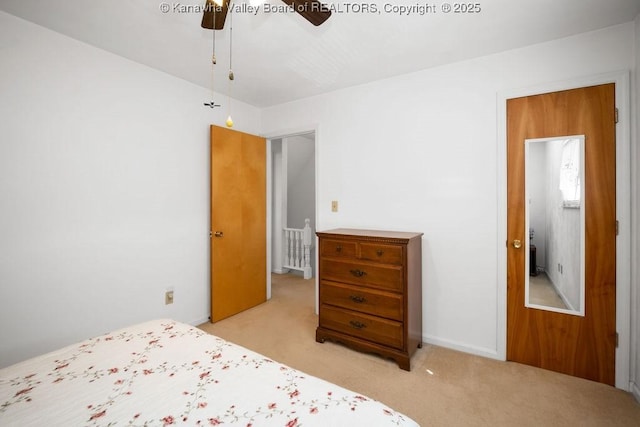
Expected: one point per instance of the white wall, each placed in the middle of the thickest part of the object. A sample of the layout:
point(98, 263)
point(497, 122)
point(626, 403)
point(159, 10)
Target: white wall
point(301, 177)
point(104, 169)
point(419, 152)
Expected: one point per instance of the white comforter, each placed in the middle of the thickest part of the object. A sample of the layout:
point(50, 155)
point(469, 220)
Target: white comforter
point(164, 373)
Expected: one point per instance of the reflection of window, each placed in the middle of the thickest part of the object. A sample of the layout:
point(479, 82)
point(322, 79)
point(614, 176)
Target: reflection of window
point(570, 173)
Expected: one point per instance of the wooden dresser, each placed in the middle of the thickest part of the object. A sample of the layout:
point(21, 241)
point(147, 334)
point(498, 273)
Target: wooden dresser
point(371, 291)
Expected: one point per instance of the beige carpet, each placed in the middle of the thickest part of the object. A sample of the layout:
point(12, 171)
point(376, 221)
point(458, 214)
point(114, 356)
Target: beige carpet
point(444, 387)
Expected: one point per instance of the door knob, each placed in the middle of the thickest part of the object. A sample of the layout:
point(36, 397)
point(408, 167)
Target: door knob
point(218, 234)
point(517, 244)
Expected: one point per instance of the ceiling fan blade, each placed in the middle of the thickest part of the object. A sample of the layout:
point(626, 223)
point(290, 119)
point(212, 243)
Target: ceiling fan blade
point(313, 11)
point(214, 16)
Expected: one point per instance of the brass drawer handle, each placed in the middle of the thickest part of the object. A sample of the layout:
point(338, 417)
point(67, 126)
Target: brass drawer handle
point(356, 298)
point(357, 325)
point(379, 252)
point(358, 273)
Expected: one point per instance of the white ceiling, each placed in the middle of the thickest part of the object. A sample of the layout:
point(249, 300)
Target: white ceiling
point(279, 57)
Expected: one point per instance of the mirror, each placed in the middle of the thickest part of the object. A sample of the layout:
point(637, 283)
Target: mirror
point(554, 222)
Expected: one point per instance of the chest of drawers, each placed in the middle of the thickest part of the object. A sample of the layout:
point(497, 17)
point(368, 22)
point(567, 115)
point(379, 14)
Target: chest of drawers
point(371, 291)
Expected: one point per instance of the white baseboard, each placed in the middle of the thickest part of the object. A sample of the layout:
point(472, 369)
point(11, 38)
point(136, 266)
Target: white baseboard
point(465, 348)
point(199, 321)
point(635, 390)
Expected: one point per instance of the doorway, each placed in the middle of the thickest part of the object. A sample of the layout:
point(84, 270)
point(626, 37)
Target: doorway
point(293, 194)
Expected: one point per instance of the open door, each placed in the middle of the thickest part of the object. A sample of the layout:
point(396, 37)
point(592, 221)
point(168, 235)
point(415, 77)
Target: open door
point(238, 222)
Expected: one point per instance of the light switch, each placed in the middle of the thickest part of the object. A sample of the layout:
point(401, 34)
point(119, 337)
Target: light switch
point(334, 206)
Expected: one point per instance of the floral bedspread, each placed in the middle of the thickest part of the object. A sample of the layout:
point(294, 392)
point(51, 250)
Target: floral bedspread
point(165, 373)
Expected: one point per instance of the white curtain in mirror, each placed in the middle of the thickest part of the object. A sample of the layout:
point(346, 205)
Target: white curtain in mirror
point(570, 172)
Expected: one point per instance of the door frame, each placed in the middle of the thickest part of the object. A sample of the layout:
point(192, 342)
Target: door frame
point(624, 303)
point(279, 134)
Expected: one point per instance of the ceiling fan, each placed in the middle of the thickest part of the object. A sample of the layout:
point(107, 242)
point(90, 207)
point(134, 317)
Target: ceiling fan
point(311, 10)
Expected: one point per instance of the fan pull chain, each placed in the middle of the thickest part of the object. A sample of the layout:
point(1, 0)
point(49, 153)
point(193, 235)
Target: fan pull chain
point(212, 104)
point(229, 121)
point(231, 76)
point(213, 55)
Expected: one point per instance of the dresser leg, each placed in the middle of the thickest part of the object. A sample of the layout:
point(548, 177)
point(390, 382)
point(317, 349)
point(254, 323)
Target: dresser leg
point(319, 337)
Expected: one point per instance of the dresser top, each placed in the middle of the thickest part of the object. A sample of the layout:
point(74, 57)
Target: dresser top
point(379, 234)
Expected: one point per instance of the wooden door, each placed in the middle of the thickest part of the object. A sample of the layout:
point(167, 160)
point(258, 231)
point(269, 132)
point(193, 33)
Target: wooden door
point(238, 222)
point(574, 345)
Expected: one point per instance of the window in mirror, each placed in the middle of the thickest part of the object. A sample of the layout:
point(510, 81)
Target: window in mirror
point(570, 173)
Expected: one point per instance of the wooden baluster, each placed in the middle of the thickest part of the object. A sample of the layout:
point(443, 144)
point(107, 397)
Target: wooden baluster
point(307, 248)
point(292, 258)
point(286, 246)
point(290, 248)
point(294, 238)
point(297, 264)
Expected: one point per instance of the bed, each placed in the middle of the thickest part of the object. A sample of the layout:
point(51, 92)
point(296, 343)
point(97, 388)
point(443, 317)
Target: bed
point(163, 373)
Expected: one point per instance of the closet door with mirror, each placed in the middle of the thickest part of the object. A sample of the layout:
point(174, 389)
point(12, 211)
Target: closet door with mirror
point(561, 230)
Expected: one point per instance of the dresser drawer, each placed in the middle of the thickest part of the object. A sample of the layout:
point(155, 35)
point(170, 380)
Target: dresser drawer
point(337, 248)
point(370, 301)
point(378, 252)
point(376, 329)
point(378, 276)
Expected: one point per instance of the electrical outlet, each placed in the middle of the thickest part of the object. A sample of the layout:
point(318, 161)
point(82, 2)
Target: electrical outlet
point(334, 206)
point(168, 297)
